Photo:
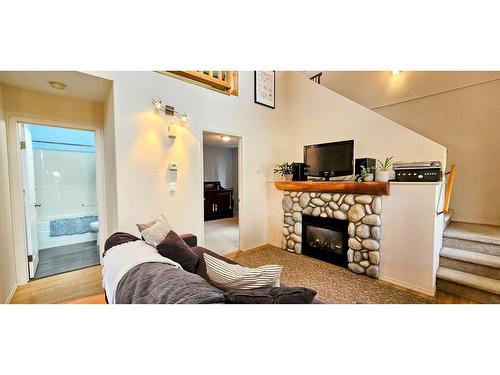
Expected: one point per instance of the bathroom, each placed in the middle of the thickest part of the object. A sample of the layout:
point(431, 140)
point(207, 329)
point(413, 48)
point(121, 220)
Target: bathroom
point(59, 178)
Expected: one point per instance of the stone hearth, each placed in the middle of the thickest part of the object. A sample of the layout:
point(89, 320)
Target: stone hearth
point(361, 210)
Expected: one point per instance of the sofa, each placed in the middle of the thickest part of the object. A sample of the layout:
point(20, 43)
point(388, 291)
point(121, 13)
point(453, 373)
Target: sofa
point(155, 280)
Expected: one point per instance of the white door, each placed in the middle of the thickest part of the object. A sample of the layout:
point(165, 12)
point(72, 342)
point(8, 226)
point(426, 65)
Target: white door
point(28, 172)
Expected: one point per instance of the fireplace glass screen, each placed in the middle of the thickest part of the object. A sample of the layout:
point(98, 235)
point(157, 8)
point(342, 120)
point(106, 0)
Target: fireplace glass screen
point(325, 239)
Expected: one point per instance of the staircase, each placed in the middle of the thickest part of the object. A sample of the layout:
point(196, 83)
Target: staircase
point(469, 262)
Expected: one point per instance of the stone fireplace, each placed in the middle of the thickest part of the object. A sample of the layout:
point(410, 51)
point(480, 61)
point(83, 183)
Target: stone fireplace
point(358, 249)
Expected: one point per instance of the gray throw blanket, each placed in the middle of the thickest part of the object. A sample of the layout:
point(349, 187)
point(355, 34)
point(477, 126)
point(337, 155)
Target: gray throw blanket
point(159, 283)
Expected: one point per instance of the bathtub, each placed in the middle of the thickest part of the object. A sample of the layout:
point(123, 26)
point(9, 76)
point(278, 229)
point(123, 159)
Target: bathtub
point(45, 241)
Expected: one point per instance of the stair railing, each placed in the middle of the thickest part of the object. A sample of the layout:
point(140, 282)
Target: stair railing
point(317, 78)
point(450, 180)
point(222, 80)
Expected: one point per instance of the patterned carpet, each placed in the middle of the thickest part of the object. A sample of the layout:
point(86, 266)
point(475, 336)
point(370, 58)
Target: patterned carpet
point(333, 284)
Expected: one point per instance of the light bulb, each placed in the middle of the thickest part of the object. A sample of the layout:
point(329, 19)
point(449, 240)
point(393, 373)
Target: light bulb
point(157, 104)
point(226, 138)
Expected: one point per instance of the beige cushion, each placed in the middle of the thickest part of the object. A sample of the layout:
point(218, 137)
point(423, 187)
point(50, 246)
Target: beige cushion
point(235, 277)
point(157, 232)
point(143, 227)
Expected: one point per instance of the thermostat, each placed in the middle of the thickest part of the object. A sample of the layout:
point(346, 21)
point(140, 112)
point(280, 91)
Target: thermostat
point(172, 166)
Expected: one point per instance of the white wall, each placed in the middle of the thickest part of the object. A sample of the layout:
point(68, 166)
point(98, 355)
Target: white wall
point(144, 150)
point(110, 162)
point(412, 235)
point(466, 122)
point(7, 265)
point(316, 114)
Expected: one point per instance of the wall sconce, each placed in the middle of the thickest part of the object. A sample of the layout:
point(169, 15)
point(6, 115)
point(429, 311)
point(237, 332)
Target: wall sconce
point(169, 110)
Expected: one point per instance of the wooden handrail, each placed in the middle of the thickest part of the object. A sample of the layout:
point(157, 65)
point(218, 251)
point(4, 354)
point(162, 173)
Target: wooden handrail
point(317, 78)
point(223, 80)
point(449, 188)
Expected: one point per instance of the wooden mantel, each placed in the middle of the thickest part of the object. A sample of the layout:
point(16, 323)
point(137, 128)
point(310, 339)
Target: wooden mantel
point(371, 188)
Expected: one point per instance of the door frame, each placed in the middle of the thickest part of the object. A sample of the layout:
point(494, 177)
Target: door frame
point(241, 206)
point(17, 202)
point(26, 169)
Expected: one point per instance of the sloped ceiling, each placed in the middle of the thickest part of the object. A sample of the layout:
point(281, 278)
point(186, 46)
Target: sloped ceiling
point(374, 89)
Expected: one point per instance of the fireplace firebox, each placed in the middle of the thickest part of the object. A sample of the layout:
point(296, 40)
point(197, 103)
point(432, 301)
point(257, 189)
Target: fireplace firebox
point(325, 239)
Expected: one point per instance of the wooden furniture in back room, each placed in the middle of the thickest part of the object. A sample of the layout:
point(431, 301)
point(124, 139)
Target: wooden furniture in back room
point(218, 201)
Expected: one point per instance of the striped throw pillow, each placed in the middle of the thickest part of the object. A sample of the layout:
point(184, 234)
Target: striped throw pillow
point(235, 277)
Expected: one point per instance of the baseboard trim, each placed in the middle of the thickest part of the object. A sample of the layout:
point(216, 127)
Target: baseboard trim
point(234, 254)
point(11, 294)
point(403, 284)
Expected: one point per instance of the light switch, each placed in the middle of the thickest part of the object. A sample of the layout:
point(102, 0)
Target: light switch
point(172, 131)
point(171, 186)
point(172, 166)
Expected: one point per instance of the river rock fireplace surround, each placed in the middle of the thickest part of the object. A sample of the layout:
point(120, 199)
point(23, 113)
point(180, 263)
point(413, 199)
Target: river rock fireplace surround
point(360, 211)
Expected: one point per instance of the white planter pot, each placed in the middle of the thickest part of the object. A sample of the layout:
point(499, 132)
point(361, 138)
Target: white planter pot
point(368, 178)
point(288, 177)
point(382, 176)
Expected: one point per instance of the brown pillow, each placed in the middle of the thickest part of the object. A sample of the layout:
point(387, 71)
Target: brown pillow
point(173, 247)
point(280, 295)
point(118, 238)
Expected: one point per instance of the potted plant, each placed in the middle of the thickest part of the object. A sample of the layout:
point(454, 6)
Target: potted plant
point(285, 170)
point(366, 174)
point(383, 170)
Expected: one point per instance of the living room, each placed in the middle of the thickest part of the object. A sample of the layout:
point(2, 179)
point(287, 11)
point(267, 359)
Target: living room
point(337, 185)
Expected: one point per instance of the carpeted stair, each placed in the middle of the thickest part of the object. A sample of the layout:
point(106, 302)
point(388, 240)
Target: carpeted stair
point(469, 263)
point(447, 217)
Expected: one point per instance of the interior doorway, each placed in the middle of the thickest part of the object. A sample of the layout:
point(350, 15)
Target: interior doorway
point(58, 171)
point(221, 191)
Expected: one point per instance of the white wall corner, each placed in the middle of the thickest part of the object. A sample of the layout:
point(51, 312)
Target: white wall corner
point(11, 294)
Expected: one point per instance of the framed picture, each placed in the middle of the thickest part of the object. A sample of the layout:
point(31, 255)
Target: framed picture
point(264, 88)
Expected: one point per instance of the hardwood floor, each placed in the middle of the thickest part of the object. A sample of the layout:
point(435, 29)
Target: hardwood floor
point(83, 285)
point(56, 260)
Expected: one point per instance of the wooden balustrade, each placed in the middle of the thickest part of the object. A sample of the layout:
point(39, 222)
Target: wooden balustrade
point(317, 78)
point(223, 80)
point(449, 188)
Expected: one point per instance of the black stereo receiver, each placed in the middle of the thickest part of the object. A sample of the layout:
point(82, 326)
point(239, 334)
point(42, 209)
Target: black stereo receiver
point(429, 171)
point(418, 175)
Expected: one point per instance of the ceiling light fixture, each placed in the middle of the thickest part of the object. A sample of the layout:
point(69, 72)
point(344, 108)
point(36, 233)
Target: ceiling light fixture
point(169, 110)
point(226, 138)
point(57, 85)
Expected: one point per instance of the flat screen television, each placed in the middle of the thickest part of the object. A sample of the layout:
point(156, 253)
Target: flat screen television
point(329, 159)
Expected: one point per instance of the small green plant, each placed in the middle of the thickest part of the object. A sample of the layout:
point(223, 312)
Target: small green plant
point(385, 165)
point(284, 168)
point(365, 172)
